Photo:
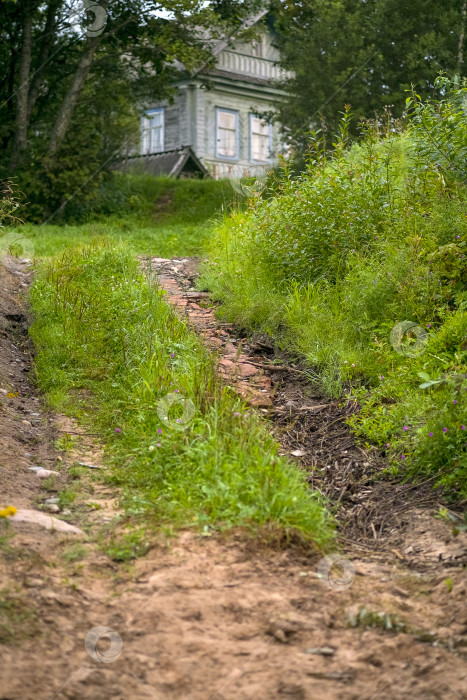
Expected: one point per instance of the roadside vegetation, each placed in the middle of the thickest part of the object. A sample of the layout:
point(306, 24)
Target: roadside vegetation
point(110, 350)
point(331, 262)
point(160, 216)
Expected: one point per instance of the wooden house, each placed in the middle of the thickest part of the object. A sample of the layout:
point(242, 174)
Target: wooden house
point(216, 112)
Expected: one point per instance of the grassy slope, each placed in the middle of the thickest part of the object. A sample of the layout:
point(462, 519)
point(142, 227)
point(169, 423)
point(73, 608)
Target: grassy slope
point(159, 216)
point(332, 262)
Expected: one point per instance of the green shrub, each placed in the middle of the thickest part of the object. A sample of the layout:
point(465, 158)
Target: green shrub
point(331, 262)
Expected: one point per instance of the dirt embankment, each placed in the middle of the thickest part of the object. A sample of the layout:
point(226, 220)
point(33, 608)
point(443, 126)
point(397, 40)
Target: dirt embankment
point(216, 617)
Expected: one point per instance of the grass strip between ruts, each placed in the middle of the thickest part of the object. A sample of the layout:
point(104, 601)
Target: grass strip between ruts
point(109, 348)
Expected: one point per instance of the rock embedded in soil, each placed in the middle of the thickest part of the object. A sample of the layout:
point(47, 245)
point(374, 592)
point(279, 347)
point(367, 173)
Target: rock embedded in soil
point(52, 507)
point(45, 473)
point(35, 517)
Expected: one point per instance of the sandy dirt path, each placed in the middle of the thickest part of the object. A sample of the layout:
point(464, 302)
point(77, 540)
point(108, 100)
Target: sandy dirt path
point(211, 617)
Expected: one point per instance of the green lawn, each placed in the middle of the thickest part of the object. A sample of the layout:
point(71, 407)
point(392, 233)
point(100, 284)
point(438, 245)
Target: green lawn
point(159, 216)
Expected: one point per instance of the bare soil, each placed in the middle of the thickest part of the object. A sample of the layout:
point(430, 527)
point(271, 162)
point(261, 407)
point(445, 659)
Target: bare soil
point(219, 617)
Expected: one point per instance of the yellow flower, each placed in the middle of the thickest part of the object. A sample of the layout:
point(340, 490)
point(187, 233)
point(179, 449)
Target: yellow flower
point(9, 510)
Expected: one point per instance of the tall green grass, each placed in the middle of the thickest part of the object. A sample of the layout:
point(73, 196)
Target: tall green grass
point(329, 263)
point(159, 216)
point(109, 349)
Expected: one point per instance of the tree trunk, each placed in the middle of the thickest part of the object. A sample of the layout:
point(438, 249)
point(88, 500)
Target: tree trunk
point(21, 138)
point(65, 113)
point(460, 52)
point(47, 38)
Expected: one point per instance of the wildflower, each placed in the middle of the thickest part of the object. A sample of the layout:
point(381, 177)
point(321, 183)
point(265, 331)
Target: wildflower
point(430, 434)
point(345, 362)
point(151, 447)
point(389, 273)
point(9, 510)
point(158, 444)
point(405, 427)
point(352, 365)
point(387, 444)
point(117, 430)
point(445, 430)
point(159, 431)
point(402, 456)
point(457, 236)
point(176, 391)
point(172, 354)
point(454, 401)
point(428, 325)
point(462, 427)
point(236, 414)
point(178, 420)
point(382, 376)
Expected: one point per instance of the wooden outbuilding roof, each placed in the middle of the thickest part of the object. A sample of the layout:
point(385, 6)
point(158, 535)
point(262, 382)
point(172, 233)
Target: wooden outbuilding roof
point(178, 163)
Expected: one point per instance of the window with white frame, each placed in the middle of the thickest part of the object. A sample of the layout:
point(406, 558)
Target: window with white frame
point(227, 133)
point(153, 131)
point(257, 49)
point(260, 139)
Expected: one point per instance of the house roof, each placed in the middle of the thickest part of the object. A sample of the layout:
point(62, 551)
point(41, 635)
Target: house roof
point(174, 163)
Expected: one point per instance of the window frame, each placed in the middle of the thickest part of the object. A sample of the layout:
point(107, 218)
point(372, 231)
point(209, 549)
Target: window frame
point(237, 122)
point(254, 160)
point(257, 49)
point(149, 113)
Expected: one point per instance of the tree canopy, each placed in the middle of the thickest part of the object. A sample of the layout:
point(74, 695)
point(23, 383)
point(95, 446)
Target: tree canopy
point(73, 83)
point(366, 53)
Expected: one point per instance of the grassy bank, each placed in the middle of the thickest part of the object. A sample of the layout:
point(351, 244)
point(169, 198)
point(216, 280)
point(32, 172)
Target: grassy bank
point(158, 216)
point(109, 350)
point(331, 263)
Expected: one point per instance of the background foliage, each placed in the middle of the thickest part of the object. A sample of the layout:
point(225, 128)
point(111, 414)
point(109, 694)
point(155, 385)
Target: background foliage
point(70, 101)
point(331, 261)
point(366, 54)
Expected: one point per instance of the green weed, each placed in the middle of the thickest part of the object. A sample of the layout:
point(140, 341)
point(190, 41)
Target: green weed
point(18, 620)
point(331, 262)
point(110, 345)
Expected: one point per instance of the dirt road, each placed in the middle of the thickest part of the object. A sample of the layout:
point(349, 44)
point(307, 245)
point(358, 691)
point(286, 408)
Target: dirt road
point(219, 617)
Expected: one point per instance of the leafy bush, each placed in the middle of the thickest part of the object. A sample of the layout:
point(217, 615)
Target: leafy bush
point(441, 129)
point(332, 261)
point(8, 203)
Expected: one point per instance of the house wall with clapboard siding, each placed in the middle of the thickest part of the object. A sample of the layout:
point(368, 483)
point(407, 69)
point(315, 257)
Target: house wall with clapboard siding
point(241, 82)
